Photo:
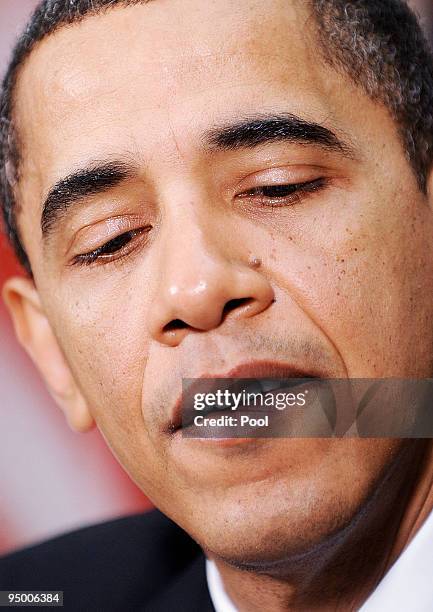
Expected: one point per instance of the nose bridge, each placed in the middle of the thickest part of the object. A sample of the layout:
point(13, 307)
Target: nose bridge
point(203, 277)
point(195, 262)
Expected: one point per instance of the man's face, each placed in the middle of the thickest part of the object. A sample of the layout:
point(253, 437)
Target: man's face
point(161, 91)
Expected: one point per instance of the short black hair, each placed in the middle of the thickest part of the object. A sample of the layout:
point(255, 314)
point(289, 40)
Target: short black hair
point(379, 44)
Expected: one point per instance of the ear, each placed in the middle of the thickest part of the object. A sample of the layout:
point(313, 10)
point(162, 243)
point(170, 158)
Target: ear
point(35, 334)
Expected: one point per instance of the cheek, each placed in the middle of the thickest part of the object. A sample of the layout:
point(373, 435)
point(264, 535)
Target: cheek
point(363, 279)
point(104, 338)
point(106, 345)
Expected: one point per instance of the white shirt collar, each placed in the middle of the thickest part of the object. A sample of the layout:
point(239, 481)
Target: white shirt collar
point(220, 599)
point(408, 585)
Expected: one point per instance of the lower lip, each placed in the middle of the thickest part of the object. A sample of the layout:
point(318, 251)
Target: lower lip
point(216, 442)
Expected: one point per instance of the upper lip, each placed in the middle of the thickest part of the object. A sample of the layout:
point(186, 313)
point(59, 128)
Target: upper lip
point(254, 369)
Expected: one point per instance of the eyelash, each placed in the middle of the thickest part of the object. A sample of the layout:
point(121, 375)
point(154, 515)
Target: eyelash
point(110, 250)
point(282, 194)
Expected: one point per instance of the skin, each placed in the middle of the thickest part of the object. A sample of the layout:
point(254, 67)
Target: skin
point(341, 286)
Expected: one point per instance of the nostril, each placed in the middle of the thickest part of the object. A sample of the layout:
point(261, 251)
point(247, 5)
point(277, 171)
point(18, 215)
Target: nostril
point(235, 305)
point(175, 325)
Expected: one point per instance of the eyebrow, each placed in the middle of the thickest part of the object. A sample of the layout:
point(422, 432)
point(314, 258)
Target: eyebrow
point(91, 180)
point(250, 132)
point(263, 129)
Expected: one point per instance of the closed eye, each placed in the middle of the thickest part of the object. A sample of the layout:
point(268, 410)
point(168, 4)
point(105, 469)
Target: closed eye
point(119, 246)
point(281, 194)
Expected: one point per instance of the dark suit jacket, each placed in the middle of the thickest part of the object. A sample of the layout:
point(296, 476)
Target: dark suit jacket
point(143, 562)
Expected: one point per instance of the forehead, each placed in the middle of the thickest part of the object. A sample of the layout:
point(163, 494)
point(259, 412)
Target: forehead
point(164, 60)
point(146, 80)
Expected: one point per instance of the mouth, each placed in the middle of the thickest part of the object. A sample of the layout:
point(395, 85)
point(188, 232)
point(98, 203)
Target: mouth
point(253, 377)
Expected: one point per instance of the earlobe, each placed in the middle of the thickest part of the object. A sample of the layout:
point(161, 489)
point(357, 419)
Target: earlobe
point(36, 335)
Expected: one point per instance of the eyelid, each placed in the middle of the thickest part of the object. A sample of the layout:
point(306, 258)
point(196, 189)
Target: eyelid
point(97, 255)
point(279, 175)
point(91, 237)
point(295, 190)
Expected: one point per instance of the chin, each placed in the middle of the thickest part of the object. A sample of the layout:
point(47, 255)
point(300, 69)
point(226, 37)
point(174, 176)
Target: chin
point(281, 524)
point(274, 527)
point(273, 507)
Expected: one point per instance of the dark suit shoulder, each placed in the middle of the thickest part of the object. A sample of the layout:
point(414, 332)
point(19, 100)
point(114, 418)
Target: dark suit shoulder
point(116, 565)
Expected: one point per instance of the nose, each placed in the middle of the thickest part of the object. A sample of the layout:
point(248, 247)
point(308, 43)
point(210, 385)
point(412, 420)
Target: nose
point(201, 286)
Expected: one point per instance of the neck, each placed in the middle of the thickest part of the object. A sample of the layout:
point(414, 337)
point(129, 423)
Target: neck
point(342, 571)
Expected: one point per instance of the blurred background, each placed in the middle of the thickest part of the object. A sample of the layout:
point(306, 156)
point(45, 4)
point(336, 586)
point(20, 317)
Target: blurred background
point(424, 8)
point(51, 479)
